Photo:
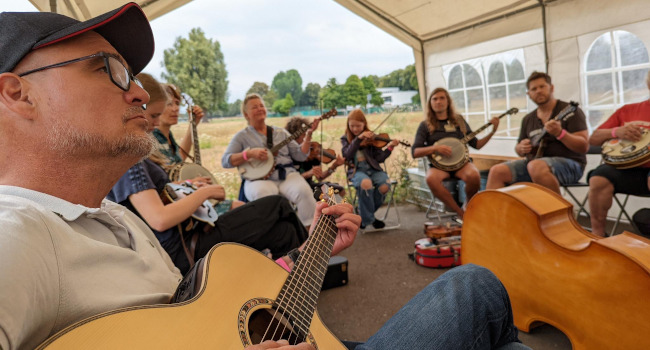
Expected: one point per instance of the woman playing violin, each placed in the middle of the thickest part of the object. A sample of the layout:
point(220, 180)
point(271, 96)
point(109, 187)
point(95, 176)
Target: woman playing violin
point(443, 121)
point(311, 168)
point(369, 179)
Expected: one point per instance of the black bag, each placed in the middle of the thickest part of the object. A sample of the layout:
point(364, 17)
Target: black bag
point(337, 273)
point(642, 221)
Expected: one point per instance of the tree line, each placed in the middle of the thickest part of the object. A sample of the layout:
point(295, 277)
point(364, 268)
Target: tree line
point(196, 65)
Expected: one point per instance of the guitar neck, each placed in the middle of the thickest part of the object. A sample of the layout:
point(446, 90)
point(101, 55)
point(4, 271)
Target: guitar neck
point(195, 139)
point(300, 292)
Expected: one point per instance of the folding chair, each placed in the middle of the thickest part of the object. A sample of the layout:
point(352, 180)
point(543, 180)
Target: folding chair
point(389, 202)
point(621, 206)
point(581, 184)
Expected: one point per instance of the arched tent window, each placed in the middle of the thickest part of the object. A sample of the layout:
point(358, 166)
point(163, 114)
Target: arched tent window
point(506, 86)
point(466, 90)
point(614, 73)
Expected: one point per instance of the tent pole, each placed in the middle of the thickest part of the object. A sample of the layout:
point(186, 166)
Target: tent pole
point(546, 60)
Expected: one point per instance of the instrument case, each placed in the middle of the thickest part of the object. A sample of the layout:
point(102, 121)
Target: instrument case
point(440, 253)
point(337, 273)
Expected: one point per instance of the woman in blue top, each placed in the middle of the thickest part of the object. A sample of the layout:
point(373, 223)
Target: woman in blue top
point(369, 179)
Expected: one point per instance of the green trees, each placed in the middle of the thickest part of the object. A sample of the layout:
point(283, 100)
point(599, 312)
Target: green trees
point(309, 97)
point(288, 82)
point(404, 79)
point(354, 92)
point(196, 65)
point(268, 95)
point(284, 105)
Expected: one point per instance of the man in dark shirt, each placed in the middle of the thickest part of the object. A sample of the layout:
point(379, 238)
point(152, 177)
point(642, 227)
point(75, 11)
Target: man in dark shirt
point(563, 143)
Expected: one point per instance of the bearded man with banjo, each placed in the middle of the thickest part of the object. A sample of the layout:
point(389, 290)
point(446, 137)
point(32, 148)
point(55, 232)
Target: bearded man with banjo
point(553, 138)
point(447, 160)
point(625, 139)
point(253, 144)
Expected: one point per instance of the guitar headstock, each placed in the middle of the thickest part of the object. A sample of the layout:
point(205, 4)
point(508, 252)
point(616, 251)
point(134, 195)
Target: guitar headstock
point(513, 110)
point(328, 194)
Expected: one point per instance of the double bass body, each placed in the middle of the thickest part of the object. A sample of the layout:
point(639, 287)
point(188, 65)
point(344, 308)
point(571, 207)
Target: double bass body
point(595, 290)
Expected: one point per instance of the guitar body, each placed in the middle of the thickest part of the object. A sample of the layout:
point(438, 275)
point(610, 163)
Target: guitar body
point(625, 154)
point(459, 155)
point(238, 281)
point(255, 169)
point(595, 290)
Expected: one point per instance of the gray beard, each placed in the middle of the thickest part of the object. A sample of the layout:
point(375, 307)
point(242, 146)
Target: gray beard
point(64, 140)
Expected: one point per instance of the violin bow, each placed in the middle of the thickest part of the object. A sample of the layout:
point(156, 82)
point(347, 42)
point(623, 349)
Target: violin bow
point(385, 119)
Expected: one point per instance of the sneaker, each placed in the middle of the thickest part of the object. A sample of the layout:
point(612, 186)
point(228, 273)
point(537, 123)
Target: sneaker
point(378, 224)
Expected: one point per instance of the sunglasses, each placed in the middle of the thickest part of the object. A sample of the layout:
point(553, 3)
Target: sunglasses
point(118, 73)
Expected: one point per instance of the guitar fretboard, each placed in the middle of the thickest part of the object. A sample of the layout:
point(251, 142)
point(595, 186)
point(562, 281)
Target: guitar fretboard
point(300, 292)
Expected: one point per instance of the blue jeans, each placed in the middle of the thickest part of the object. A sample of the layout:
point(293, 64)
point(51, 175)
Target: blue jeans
point(369, 200)
point(567, 171)
point(465, 308)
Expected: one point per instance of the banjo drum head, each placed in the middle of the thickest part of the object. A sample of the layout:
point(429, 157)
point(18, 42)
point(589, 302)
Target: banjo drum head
point(190, 170)
point(458, 152)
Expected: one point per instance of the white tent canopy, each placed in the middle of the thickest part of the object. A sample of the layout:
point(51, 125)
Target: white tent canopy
point(86, 9)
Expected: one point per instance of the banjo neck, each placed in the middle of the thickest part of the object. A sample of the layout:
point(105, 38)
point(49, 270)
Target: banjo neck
point(473, 134)
point(195, 139)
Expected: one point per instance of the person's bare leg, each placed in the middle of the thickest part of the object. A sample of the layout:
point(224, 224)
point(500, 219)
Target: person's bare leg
point(498, 177)
point(434, 180)
point(540, 172)
point(601, 194)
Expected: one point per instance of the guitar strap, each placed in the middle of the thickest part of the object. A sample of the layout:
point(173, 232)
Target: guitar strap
point(189, 253)
point(269, 137)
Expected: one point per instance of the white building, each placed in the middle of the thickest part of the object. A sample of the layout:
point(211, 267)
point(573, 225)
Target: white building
point(393, 97)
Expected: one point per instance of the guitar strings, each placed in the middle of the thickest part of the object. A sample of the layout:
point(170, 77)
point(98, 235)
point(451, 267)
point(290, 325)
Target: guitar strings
point(301, 277)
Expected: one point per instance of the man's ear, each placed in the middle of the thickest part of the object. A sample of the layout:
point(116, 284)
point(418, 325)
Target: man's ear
point(14, 95)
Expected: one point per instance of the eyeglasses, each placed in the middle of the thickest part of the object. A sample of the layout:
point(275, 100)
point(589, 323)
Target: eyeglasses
point(119, 74)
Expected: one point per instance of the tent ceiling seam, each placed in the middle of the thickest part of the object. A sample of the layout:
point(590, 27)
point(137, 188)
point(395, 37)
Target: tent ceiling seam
point(389, 19)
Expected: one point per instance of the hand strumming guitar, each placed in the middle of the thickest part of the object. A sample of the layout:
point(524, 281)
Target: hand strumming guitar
point(553, 127)
point(280, 345)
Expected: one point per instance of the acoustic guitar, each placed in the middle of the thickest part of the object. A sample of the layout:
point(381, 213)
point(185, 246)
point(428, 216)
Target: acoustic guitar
point(244, 299)
point(625, 154)
point(255, 169)
point(595, 290)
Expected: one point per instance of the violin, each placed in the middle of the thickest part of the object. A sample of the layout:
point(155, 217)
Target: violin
point(315, 153)
point(381, 140)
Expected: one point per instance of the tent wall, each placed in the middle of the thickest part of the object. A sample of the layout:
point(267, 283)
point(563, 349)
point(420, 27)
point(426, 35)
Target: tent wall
point(571, 28)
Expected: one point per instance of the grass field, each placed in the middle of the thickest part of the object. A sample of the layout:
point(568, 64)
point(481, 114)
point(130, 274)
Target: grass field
point(215, 135)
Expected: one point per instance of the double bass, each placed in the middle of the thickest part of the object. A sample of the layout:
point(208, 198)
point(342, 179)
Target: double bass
point(595, 290)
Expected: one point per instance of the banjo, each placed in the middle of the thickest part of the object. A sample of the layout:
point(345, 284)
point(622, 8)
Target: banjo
point(459, 152)
point(256, 169)
point(625, 154)
point(188, 171)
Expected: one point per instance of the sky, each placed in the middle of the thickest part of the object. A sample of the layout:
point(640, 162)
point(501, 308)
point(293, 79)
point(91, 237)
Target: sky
point(259, 38)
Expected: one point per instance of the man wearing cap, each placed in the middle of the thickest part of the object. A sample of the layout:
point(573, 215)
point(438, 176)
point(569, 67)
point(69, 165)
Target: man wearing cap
point(71, 123)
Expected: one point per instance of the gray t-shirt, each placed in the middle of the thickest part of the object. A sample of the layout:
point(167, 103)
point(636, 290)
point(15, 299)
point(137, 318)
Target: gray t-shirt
point(63, 262)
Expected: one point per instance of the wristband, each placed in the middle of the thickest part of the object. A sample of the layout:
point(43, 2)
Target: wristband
point(244, 155)
point(283, 263)
point(614, 132)
point(562, 134)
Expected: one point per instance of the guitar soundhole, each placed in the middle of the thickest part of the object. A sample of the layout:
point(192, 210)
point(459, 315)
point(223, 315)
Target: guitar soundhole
point(260, 320)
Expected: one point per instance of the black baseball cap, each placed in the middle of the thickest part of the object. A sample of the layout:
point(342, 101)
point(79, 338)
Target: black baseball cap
point(126, 28)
